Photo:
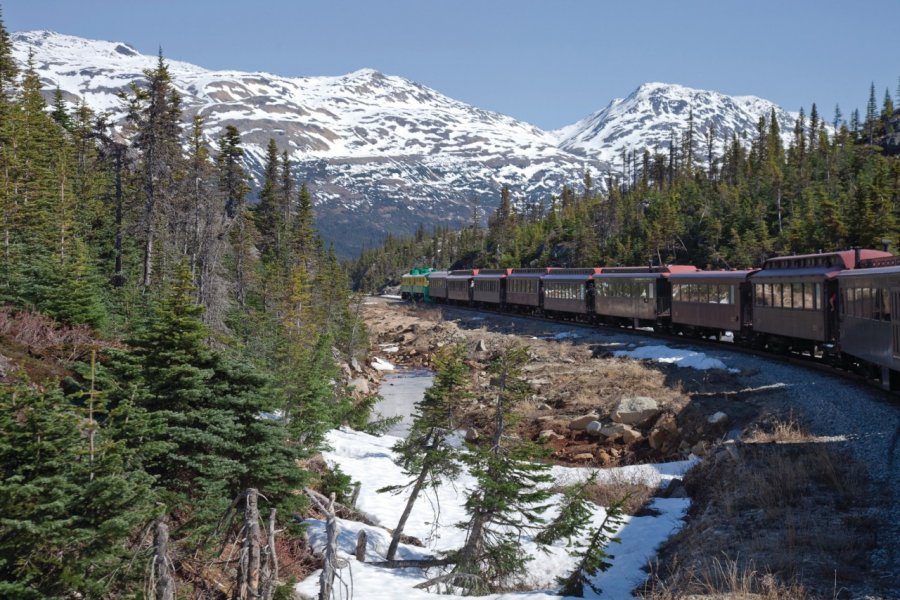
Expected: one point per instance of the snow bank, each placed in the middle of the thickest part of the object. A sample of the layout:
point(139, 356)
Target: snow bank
point(679, 357)
point(368, 459)
point(379, 364)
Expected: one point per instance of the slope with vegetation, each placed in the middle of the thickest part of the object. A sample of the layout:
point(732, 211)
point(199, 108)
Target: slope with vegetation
point(164, 346)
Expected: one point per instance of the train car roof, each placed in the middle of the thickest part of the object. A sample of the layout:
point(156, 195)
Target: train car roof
point(437, 274)
point(571, 274)
point(712, 275)
point(828, 272)
point(850, 273)
point(845, 259)
point(492, 273)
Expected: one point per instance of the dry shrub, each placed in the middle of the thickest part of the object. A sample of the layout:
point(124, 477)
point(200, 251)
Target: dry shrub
point(787, 431)
point(43, 336)
point(723, 579)
point(618, 486)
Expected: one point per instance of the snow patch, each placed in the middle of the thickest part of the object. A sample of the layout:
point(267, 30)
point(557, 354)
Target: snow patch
point(380, 364)
point(672, 356)
point(368, 459)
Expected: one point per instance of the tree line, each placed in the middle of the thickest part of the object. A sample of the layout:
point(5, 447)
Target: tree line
point(836, 185)
point(211, 333)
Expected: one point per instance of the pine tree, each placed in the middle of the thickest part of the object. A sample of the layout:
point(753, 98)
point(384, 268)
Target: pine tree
point(66, 519)
point(232, 177)
point(268, 212)
point(871, 114)
point(838, 117)
point(425, 454)
point(155, 115)
point(594, 558)
point(508, 498)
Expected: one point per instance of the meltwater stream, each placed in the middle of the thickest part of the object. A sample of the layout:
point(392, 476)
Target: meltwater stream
point(400, 391)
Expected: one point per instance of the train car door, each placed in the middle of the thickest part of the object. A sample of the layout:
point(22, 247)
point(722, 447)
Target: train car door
point(895, 322)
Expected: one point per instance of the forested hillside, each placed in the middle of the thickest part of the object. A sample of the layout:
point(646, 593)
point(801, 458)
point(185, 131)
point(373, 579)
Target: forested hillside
point(691, 204)
point(164, 346)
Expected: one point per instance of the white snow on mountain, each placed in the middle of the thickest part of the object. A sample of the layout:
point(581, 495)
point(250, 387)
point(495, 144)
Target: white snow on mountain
point(383, 154)
point(648, 118)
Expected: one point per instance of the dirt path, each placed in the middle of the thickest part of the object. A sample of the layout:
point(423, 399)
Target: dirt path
point(799, 476)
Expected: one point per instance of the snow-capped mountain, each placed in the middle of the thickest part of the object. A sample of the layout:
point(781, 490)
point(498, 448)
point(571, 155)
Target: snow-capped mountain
point(647, 118)
point(382, 153)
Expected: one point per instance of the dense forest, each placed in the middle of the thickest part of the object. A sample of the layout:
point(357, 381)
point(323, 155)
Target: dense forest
point(164, 345)
point(836, 185)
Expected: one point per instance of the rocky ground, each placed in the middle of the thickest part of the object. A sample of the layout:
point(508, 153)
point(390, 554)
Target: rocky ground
point(795, 495)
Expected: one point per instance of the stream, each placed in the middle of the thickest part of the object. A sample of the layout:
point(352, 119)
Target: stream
point(400, 390)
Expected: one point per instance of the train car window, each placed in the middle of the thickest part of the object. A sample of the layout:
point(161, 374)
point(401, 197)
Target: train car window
point(797, 295)
point(759, 291)
point(777, 296)
point(885, 304)
point(731, 294)
point(817, 296)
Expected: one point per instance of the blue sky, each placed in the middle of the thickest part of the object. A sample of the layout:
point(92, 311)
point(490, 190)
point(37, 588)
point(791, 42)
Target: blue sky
point(548, 62)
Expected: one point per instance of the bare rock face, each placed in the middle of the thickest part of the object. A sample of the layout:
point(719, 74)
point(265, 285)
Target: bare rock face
point(581, 423)
point(635, 411)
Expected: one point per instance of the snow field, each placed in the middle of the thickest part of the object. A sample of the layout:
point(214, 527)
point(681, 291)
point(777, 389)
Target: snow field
point(368, 460)
point(673, 356)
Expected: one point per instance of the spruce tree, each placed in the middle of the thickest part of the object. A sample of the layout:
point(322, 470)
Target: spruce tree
point(508, 498)
point(425, 454)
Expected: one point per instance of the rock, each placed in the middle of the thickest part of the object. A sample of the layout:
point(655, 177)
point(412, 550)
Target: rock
point(603, 457)
point(581, 423)
point(481, 346)
point(717, 418)
point(659, 438)
point(700, 449)
point(635, 411)
point(675, 489)
point(354, 364)
point(630, 436)
point(583, 457)
point(613, 431)
point(567, 360)
point(548, 435)
point(593, 427)
point(667, 423)
point(344, 367)
point(360, 385)
point(472, 435)
point(545, 406)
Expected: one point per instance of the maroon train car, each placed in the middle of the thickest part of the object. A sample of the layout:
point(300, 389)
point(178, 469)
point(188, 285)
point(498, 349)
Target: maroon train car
point(795, 298)
point(712, 302)
point(638, 296)
point(569, 290)
point(489, 286)
point(523, 288)
point(459, 285)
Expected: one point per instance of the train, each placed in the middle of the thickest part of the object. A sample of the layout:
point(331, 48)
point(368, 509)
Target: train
point(841, 307)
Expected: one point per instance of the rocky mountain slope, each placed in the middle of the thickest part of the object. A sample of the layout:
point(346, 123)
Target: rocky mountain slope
point(383, 153)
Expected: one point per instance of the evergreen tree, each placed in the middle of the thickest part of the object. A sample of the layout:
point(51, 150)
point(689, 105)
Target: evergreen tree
point(508, 498)
point(594, 558)
point(66, 519)
point(268, 211)
point(425, 454)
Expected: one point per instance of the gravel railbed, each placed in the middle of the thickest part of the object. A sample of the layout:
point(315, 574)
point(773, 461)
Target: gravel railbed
point(862, 419)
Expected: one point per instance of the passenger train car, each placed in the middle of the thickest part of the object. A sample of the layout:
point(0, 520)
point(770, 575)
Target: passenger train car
point(841, 306)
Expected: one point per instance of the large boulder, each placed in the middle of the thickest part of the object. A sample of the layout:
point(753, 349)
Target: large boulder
point(593, 427)
point(635, 411)
point(581, 423)
point(613, 431)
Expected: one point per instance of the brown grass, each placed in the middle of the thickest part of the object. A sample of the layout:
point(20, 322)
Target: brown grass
point(799, 511)
point(725, 579)
point(637, 494)
point(780, 431)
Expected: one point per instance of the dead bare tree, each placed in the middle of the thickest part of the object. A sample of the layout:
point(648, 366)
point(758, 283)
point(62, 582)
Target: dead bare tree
point(269, 574)
point(160, 583)
point(249, 562)
point(331, 562)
